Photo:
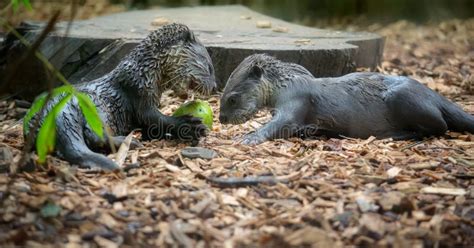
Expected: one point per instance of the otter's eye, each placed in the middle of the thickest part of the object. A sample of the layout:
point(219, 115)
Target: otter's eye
point(232, 101)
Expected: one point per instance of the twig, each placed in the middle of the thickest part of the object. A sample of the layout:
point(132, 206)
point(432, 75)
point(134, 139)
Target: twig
point(445, 148)
point(464, 161)
point(245, 181)
point(28, 142)
point(6, 9)
point(68, 27)
point(38, 55)
point(412, 145)
point(32, 50)
point(464, 176)
point(48, 65)
point(349, 138)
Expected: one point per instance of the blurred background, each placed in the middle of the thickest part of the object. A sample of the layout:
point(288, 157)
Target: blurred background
point(309, 12)
point(430, 40)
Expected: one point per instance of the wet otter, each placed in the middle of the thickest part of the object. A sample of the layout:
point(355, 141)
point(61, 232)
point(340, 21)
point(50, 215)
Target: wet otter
point(129, 96)
point(356, 105)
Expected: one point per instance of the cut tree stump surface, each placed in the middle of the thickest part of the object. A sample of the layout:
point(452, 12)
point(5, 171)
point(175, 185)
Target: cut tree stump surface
point(231, 33)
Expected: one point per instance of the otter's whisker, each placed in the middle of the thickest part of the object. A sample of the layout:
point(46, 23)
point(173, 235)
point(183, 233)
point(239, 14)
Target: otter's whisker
point(170, 80)
point(200, 89)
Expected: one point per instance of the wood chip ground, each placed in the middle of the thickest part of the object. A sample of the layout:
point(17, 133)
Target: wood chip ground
point(298, 193)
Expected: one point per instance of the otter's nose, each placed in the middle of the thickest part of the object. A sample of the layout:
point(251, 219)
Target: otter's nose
point(223, 118)
point(213, 84)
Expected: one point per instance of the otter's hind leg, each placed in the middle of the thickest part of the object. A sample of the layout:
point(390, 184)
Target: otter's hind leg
point(411, 109)
point(71, 146)
point(97, 143)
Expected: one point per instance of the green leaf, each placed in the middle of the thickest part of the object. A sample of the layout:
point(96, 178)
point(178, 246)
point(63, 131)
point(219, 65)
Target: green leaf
point(89, 110)
point(40, 101)
point(27, 4)
point(16, 5)
point(46, 139)
point(50, 210)
point(63, 89)
point(35, 108)
point(60, 105)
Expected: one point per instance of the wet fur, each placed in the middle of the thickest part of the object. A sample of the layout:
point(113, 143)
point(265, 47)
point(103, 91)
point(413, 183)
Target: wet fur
point(355, 105)
point(129, 96)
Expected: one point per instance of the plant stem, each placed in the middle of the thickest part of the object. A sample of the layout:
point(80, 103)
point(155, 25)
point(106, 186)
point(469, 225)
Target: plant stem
point(38, 55)
point(5, 10)
point(51, 68)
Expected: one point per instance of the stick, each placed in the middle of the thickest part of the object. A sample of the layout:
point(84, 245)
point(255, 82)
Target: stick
point(245, 181)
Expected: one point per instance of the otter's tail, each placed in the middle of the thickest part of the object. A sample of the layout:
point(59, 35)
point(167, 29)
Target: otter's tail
point(72, 148)
point(88, 158)
point(456, 118)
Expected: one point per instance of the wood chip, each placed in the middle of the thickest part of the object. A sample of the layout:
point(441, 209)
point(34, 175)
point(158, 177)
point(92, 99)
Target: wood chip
point(303, 41)
point(310, 236)
point(393, 172)
point(229, 200)
point(281, 29)
point(264, 24)
point(424, 165)
point(443, 191)
point(292, 193)
point(160, 21)
point(123, 150)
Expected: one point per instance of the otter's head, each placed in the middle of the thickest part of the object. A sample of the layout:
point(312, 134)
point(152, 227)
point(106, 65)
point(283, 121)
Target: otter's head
point(189, 66)
point(254, 85)
point(244, 93)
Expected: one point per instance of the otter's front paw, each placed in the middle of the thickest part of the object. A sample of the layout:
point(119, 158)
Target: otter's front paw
point(118, 140)
point(252, 139)
point(189, 128)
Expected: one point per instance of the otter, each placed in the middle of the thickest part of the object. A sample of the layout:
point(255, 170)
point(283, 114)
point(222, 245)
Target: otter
point(358, 105)
point(128, 97)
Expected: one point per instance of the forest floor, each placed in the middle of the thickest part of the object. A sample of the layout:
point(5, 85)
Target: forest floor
point(327, 193)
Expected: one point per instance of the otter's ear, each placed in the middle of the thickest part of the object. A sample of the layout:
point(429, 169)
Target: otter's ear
point(190, 37)
point(256, 72)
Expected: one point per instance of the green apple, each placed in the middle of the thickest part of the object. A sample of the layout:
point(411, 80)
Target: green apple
point(196, 108)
